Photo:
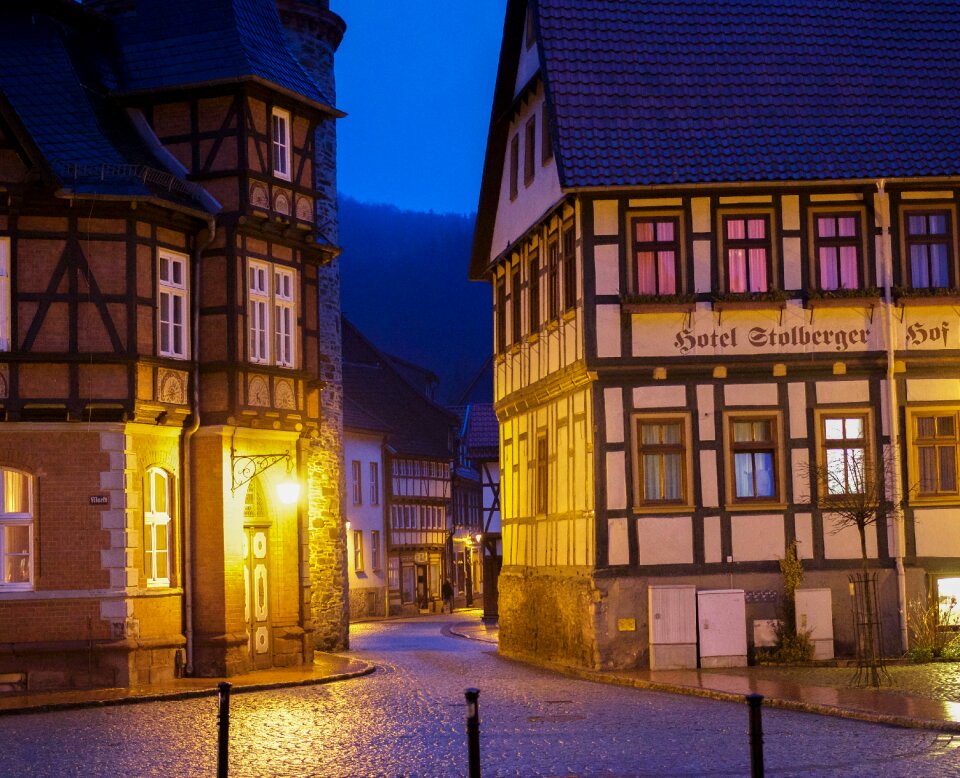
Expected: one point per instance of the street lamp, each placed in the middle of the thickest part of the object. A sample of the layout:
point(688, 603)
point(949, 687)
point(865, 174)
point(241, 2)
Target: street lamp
point(246, 467)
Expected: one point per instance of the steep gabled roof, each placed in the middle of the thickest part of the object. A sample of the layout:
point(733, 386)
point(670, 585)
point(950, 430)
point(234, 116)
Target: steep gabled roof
point(687, 92)
point(53, 94)
point(416, 425)
point(172, 44)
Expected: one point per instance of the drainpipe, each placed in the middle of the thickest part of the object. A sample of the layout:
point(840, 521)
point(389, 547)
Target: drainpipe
point(892, 412)
point(187, 457)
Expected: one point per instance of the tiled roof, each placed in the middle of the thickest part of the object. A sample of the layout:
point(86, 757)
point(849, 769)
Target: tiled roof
point(174, 43)
point(695, 91)
point(356, 418)
point(417, 426)
point(52, 81)
point(481, 433)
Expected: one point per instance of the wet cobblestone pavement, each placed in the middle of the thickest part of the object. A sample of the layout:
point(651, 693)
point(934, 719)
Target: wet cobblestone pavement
point(407, 720)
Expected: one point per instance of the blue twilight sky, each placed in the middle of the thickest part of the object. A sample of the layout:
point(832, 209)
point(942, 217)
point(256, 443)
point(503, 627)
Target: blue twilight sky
point(416, 80)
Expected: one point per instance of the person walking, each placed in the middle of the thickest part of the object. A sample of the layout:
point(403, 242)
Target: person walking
point(446, 591)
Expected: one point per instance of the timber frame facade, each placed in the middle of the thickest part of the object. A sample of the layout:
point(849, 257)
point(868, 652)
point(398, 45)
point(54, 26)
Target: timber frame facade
point(163, 360)
point(686, 363)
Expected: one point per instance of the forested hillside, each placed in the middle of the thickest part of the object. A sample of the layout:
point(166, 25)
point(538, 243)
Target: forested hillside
point(404, 284)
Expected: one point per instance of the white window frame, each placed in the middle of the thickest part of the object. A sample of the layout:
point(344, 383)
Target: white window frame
point(356, 473)
point(9, 520)
point(5, 302)
point(280, 143)
point(155, 524)
point(284, 316)
point(375, 550)
point(358, 551)
point(169, 293)
point(258, 302)
point(374, 483)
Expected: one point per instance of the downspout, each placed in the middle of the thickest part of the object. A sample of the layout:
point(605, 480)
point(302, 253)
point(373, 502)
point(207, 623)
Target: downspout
point(892, 412)
point(187, 513)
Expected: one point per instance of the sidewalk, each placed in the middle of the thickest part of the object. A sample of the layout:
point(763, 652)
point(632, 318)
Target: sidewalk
point(326, 668)
point(922, 696)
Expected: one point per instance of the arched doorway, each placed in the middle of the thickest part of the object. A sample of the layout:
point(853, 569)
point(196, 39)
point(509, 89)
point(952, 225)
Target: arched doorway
point(256, 576)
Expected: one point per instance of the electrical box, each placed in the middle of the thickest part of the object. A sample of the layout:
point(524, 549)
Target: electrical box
point(673, 626)
point(815, 613)
point(722, 622)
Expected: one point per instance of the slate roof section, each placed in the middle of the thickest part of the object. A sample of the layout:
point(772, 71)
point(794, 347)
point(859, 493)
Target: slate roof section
point(52, 84)
point(417, 426)
point(481, 432)
point(171, 44)
point(697, 91)
point(356, 418)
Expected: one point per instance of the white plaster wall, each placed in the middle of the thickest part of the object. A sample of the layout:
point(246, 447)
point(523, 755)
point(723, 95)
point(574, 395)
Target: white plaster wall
point(797, 397)
point(515, 217)
point(705, 412)
point(618, 544)
point(613, 411)
point(665, 540)
point(607, 262)
point(933, 389)
point(936, 532)
point(616, 480)
point(646, 397)
point(800, 469)
point(750, 394)
point(792, 277)
point(608, 331)
point(803, 527)
point(845, 543)
point(757, 538)
point(712, 544)
point(606, 217)
point(365, 517)
point(835, 392)
point(708, 479)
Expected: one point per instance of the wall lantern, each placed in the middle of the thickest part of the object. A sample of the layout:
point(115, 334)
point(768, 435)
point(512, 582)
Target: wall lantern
point(246, 467)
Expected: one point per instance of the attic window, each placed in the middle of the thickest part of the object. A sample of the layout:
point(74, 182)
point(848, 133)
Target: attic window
point(281, 144)
point(514, 165)
point(529, 149)
point(529, 26)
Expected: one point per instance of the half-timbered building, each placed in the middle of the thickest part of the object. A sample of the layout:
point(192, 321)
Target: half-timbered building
point(167, 247)
point(722, 244)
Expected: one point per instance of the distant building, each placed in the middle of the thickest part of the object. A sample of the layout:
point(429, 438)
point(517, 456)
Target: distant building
point(722, 245)
point(169, 340)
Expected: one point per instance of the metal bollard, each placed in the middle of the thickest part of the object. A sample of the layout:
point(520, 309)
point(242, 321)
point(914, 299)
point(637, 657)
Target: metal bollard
point(223, 727)
point(473, 732)
point(756, 736)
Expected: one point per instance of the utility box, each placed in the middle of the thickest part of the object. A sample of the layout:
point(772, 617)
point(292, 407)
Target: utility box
point(815, 613)
point(722, 621)
point(673, 626)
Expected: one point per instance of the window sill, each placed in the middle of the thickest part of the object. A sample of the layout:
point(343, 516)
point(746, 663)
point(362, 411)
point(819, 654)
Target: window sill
point(934, 502)
point(863, 300)
point(755, 507)
point(653, 307)
point(658, 510)
point(917, 298)
point(750, 302)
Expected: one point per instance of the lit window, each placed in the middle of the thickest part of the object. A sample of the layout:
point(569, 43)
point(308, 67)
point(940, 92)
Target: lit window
point(5, 295)
point(656, 254)
point(753, 444)
point(281, 144)
point(16, 529)
point(542, 486)
point(533, 291)
point(661, 458)
point(374, 483)
point(928, 239)
point(935, 441)
point(358, 551)
point(357, 485)
point(172, 295)
point(259, 301)
point(569, 268)
point(156, 534)
point(747, 253)
point(844, 442)
point(272, 314)
point(553, 278)
point(838, 246)
point(284, 314)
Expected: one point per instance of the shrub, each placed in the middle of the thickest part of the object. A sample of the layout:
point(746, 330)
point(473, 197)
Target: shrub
point(932, 630)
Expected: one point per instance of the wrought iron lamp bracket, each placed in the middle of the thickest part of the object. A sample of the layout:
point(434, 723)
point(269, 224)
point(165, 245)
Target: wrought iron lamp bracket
point(246, 467)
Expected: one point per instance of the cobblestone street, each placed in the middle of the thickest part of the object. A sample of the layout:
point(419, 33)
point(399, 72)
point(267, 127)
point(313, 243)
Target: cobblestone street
point(407, 720)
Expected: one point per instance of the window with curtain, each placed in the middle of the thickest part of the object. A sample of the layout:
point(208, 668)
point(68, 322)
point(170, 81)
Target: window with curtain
point(533, 291)
point(754, 454)
point(375, 549)
point(542, 485)
point(838, 246)
point(747, 249)
point(374, 483)
point(656, 254)
point(358, 551)
point(569, 268)
point(844, 442)
point(172, 300)
point(927, 238)
point(16, 529)
point(529, 151)
point(156, 521)
point(661, 456)
point(935, 440)
point(515, 304)
point(553, 278)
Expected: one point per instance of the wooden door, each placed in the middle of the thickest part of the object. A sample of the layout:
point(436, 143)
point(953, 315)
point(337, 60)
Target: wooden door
point(256, 558)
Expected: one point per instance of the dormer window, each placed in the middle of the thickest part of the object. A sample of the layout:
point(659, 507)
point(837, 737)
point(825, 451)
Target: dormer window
point(281, 144)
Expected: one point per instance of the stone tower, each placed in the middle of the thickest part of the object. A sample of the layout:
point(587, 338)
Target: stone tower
point(313, 34)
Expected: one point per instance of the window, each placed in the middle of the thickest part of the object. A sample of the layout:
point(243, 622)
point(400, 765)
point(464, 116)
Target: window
point(357, 486)
point(172, 297)
point(16, 529)
point(935, 440)
point(272, 314)
point(661, 460)
point(838, 246)
point(358, 551)
point(542, 475)
point(553, 279)
point(156, 529)
point(927, 238)
point(747, 249)
point(514, 166)
point(529, 150)
point(533, 290)
point(281, 144)
point(5, 296)
point(515, 300)
point(375, 549)
point(374, 483)
point(500, 322)
point(546, 141)
point(843, 441)
point(569, 268)
point(755, 459)
point(656, 254)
